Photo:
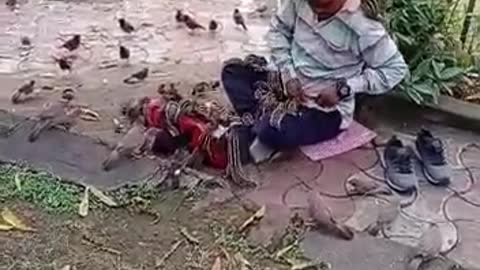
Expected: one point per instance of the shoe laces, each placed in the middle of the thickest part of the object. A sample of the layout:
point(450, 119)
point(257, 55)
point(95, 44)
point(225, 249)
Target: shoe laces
point(403, 161)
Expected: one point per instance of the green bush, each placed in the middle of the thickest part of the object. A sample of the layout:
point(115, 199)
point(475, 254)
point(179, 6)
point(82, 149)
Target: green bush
point(427, 34)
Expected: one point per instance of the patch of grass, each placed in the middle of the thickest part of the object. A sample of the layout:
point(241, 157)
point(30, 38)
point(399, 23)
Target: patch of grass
point(38, 188)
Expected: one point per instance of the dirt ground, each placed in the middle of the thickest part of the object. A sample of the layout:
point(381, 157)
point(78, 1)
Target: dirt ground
point(130, 239)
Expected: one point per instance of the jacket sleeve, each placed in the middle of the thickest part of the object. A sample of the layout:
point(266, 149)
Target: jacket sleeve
point(280, 36)
point(384, 65)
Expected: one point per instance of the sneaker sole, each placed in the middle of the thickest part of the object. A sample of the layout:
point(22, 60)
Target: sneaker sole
point(397, 188)
point(432, 180)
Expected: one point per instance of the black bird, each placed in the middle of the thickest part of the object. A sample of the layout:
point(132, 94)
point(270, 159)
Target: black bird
point(124, 53)
point(25, 41)
point(137, 77)
point(72, 44)
point(238, 19)
point(26, 89)
point(213, 26)
point(179, 16)
point(126, 26)
point(11, 3)
point(64, 64)
point(191, 23)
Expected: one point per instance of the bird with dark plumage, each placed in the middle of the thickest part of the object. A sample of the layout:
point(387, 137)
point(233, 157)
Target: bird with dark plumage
point(125, 26)
point(192, 24)
point(238, 19)
point(11, 3)
point(137, 77)
point(24, 90)
point(25, 41)
point(213, 25)
point(179, 16)
point(72, 44)
point(124, 53)
point(64, 64)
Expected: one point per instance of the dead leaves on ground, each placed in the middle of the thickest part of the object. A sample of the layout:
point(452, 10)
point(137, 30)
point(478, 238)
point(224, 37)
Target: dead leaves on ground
point(102, 197)
point(10, 221)
point(252, 219)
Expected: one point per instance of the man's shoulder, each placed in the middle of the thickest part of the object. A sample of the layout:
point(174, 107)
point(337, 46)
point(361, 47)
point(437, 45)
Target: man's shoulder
point(361, 25)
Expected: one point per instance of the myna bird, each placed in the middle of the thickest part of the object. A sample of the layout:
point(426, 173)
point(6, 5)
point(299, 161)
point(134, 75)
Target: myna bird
point(192, 24)
point(24, 90)
point(137, 77)
point(72, 44)
point(238, 19)
point(126, 26)
point(124, 53)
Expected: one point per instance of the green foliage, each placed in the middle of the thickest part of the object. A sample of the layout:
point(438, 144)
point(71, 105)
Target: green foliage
point(39, 188)
point(426, 34)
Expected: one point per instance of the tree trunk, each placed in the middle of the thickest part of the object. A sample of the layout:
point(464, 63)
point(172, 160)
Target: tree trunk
point(468, 21)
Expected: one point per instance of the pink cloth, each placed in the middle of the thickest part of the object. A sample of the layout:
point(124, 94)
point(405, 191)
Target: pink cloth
point(353, 137)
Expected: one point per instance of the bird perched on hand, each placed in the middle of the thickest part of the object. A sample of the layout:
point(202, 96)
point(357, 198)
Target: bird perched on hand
point(124, 52)
point(131, 144)
point(213, 25)
point(238, 19)
point(192, 24)
point(24, 90)
point(72, 44)
point(58, 114)
point(126, 26)
point(137, 77)
point(323, 218)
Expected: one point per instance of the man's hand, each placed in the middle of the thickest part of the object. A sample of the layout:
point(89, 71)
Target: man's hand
point(328, 98)
point(294, 88)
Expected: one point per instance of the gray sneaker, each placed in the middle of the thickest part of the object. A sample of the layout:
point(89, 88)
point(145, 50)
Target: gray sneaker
point(431, 151)
point(400, 175)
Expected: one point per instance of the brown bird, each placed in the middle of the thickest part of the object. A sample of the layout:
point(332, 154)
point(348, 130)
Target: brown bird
point(24, 90)
point(125, 26)
point(323, 218)
point(213, 25)
point(137, 77)
point(72, 44)
point(238, 19)
point(368, 188)
point(132, 143)
point(58, 114)
point(179, 16)
point(124, 53)
point(192, 24)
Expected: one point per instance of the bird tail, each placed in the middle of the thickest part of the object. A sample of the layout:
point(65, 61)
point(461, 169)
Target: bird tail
point(244, 26)
point(37, 129)
point(110, 160)
point(16, 97)
point(129, 80)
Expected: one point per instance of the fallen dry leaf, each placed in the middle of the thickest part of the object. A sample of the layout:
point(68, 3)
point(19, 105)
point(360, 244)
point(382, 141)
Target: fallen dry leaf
point(83, 207)
point(217, 265)
point(18, 182)
point(243, 263)
point(102, 197)
point(190, 238)
point(9, 217)
point(309, 266)
point(284, 251)
point(160, 263)
point(255, 217)
point(6, 227)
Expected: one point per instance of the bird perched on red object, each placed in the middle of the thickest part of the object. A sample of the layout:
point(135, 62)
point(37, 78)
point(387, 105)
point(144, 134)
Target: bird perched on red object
point(238, 19)
point(24, 90)
point(72, 44)
point(125, 26)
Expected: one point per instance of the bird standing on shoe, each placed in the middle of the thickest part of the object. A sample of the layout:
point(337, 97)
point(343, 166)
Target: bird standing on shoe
point(137, 77)
point(238, 19)
point(125, 26)
point(24, 90)
point(72, 44)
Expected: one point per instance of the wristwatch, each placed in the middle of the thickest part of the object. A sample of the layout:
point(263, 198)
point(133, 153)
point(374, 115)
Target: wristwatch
point(343, 89)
